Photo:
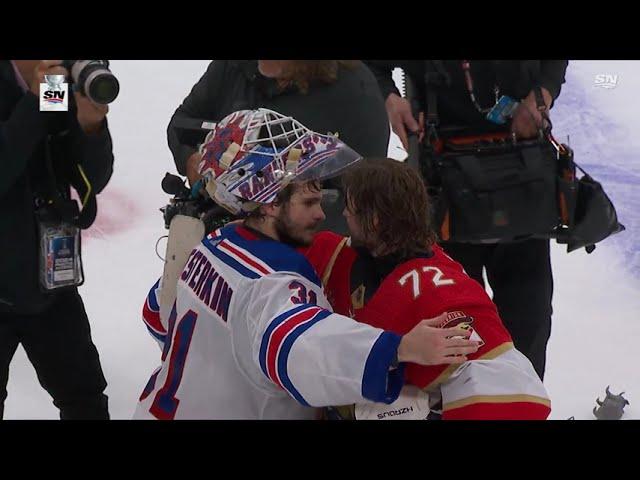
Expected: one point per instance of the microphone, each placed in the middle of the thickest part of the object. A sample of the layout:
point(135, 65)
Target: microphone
point(174, 185)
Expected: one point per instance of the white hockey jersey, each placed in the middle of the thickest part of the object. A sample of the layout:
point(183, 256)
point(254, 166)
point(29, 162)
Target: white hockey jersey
point(252, 336)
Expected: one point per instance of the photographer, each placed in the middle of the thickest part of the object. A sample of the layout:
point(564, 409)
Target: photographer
point(43, 154)
point(465, 98)
point(336, 96)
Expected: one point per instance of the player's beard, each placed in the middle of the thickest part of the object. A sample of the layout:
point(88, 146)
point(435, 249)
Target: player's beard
point(292, 234)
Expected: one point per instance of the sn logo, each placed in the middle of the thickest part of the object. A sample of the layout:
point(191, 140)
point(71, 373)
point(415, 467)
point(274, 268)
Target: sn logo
point(606, 80)
point(53, 94)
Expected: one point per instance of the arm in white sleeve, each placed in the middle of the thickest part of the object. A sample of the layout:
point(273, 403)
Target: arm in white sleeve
point(319, 357)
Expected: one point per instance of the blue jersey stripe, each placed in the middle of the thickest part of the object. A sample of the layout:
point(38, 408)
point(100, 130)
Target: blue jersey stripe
point(279, 256)
point(272, 326)
point(284, 355)
point(156, 335)
point(379, 384)
point(231, 262)
point(153, 301)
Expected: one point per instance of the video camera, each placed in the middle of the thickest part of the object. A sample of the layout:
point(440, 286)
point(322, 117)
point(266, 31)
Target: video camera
point(192, 205)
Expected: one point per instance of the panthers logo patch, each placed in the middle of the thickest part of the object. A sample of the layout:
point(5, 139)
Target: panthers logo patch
point(464, 321)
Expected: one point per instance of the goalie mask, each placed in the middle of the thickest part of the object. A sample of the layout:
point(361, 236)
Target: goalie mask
point(251, 155)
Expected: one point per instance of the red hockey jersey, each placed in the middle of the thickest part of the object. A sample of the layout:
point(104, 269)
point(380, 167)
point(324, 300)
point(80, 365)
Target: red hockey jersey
point(422, 288)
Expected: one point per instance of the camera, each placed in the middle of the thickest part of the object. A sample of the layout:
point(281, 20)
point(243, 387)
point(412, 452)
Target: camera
point(184, 203)
point(94, 79)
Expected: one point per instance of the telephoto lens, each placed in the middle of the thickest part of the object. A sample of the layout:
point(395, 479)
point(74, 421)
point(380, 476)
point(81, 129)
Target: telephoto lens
point(94, 79)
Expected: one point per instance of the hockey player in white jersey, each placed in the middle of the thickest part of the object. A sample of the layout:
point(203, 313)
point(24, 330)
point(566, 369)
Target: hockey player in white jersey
point(251, 334)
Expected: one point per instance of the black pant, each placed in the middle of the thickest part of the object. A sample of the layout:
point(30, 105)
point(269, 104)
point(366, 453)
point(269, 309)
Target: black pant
point(58, 344)
point(522, 282)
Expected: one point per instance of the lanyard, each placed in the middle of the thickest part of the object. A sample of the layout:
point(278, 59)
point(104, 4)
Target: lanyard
point(21, 82)
point(466, 68)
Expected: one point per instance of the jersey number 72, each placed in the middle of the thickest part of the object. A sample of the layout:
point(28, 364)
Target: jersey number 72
point(435, 275)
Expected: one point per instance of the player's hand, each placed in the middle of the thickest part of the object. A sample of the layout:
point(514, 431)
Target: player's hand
point(427, 344)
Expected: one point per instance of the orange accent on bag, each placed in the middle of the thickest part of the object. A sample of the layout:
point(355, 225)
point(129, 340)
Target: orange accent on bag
point(479, 138)
point(445, 234)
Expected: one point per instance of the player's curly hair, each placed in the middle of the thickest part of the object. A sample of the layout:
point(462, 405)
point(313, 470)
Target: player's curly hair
point(393, 194)
point(304, 73)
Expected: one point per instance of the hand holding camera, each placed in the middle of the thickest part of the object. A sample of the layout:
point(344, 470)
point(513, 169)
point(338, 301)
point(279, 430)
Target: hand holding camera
point(90, 115)
point(46, 67)
point(94, 87)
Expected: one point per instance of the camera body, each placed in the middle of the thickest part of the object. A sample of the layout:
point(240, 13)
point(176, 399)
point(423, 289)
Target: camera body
point(183, 203)
point(94, 79)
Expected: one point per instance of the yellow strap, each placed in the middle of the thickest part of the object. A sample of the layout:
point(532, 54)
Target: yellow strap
point(332, 261)
point(87, 183)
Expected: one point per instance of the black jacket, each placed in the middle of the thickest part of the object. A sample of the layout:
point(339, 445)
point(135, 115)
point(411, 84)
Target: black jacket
point(351, 106)
point(515, 78)
point(23, 177)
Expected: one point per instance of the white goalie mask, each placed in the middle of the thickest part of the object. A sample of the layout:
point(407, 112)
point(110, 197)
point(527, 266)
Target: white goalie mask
point(251, 155)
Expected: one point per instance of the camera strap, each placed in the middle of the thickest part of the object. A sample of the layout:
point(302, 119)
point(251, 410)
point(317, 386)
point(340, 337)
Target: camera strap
point(67, 208)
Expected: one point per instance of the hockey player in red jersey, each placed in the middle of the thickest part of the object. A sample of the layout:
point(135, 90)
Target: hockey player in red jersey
point(390, 274)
